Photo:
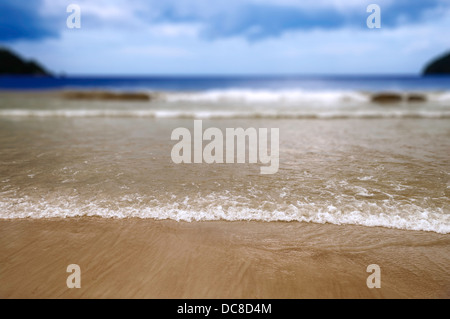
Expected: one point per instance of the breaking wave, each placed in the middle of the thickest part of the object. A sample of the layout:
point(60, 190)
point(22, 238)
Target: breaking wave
point(387, 214)
point(222, 114)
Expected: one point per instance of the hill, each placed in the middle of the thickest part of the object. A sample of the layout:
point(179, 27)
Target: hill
point(12, 64)
point(440, 65)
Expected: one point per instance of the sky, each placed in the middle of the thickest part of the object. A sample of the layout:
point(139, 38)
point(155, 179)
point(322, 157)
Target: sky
point(227, 37)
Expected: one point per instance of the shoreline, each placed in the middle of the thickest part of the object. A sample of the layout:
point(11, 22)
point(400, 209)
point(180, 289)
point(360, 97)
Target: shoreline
point(145, 258)
point(384, 97)
point(76, 158)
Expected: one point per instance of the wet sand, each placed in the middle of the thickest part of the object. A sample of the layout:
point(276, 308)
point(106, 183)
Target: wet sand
point(144, 258)
point(75, 175)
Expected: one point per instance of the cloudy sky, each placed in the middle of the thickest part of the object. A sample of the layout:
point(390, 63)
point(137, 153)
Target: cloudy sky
point(170, 37)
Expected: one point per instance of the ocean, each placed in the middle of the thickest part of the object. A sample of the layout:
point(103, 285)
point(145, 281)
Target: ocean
point(346, 158)
point(202, 83)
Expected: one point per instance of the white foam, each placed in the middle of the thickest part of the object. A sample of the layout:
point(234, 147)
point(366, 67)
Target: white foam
point(439, 97)
point(268, 96)
point(222, 114)
point(365, 178)
point(387, 213)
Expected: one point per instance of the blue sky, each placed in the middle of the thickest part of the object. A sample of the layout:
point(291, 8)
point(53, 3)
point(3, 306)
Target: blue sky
point(172, 37)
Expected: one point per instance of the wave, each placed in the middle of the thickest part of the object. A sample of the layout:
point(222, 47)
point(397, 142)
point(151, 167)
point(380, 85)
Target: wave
point(268, 96)
point(208, 114)
point(302, 96)
point(406, 217)
point(234, 103)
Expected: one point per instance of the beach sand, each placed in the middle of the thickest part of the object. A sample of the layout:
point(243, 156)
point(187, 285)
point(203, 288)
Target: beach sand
point(135, 258)
point(93, 183)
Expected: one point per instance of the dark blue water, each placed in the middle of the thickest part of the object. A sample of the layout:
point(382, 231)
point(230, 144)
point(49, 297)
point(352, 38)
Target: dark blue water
point(199, 83)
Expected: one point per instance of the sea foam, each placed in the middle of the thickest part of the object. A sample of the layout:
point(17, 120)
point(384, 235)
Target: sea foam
point(387, 213)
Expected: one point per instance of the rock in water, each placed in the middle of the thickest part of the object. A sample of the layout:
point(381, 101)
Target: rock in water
point(106, 96)
point(11, 64)
point(387, 98)
point(415, 97)
point(439, 66)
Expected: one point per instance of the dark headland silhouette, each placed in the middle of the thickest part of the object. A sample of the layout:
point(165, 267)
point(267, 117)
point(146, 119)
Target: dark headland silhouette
point(440, 65)
point(12, 64)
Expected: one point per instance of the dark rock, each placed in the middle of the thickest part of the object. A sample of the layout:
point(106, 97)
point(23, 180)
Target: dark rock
point(12, 64)
point(440, 65)
point(416, 98)
point(105, 96)
point(386, 98)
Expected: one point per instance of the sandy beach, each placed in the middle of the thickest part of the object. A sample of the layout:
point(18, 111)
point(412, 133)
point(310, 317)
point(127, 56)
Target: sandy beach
point(92, 183)
point(136, 258)
point(224, 150)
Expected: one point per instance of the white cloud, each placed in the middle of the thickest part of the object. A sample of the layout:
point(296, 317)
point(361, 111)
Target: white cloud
point(146, 46)
point(175, 30)
point(156, 51)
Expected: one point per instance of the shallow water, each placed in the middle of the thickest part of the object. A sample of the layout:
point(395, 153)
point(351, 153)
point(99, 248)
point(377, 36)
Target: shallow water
point(342, 161)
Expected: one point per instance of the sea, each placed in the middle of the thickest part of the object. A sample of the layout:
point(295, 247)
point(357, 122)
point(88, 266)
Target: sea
point(345, 158)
